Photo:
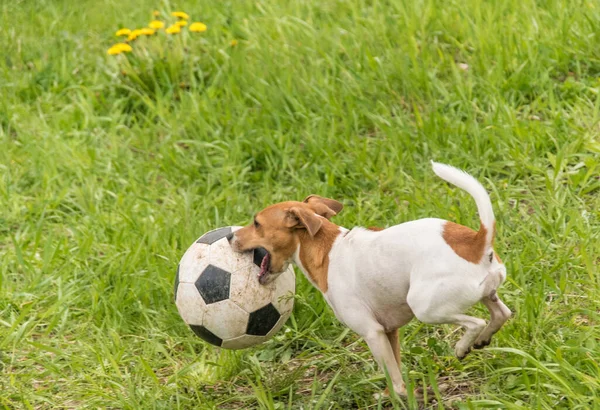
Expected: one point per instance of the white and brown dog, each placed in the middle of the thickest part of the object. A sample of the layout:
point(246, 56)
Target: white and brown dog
point(377, 280)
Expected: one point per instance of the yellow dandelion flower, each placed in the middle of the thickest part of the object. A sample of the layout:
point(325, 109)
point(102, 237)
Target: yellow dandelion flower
point(119, 48)
point(234, 43)
point(156, 24)
point(123, 32)
point(147, 31)
point(123, 47)
point(180, 14)
point(113, 51)
point(181, 23)
point(198, 27)
point(134, 34)
point(174, 29)
point(156, 13)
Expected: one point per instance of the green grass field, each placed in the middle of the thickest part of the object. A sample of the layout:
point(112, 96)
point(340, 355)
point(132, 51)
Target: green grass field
point(110, 167)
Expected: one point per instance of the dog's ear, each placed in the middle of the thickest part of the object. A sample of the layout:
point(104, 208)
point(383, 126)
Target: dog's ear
point(324, 206)
point(300, 217)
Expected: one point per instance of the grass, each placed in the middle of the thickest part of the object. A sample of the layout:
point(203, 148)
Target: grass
point(109, 169)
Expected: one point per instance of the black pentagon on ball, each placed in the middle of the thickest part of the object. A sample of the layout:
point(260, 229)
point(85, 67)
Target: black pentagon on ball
point(176, 283)
point(262, 320)
point(207, 335)
point(211, 237)
point(213, 284)
point(259, 254)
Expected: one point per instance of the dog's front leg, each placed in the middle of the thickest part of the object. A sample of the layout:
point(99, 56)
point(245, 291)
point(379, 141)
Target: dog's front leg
point(382, 350)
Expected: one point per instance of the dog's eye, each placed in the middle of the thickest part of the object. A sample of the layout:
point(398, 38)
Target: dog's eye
point(256, 224)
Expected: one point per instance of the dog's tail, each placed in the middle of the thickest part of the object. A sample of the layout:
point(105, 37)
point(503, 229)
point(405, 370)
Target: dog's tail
point(465, 181)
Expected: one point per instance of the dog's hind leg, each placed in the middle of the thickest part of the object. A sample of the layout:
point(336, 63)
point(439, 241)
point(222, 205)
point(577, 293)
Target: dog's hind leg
point(443, 308)
point(473, 327)
point(499, 313)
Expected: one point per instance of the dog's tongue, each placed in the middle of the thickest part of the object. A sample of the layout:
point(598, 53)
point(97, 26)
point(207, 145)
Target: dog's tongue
point(264, 265)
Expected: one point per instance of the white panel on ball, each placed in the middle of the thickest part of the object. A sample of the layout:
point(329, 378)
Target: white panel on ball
point(190, 305)
point(283, 293)
point(226, 319)
point(248, 293)
point(193, 262)
point(222, 256)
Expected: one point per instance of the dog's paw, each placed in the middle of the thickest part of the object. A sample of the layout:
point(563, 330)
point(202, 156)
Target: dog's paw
point(385, 395)
point(382, 396)
point(461, 353)
point(480, 344)
point(401, 391)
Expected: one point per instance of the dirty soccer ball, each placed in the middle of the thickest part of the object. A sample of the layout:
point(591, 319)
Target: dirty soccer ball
point(218, 295)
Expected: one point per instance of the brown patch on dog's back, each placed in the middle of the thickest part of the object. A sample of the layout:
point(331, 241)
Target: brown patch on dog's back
point(465, 242)
point(314, 253)
point(375, 228)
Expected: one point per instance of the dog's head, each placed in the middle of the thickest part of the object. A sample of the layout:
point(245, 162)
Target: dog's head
point(279, 229)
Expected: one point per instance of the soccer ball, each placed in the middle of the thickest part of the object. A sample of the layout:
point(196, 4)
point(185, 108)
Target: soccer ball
point(218, 295)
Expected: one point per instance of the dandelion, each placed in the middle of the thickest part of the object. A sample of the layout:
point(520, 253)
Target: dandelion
point(123, 32)
point(234, 43)
point(156, 13)
point(181, 23)
point(156, 24)
point(198, 27)
point(180, 15)
point(134, 34)
point(119, 48)
point(174, 29)
point(124, 47)
point(147, 31)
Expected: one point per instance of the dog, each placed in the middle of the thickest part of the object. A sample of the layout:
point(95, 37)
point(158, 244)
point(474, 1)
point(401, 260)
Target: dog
point(377, 280)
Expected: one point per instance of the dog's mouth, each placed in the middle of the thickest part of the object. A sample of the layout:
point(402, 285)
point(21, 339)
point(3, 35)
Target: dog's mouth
point(265, 268)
